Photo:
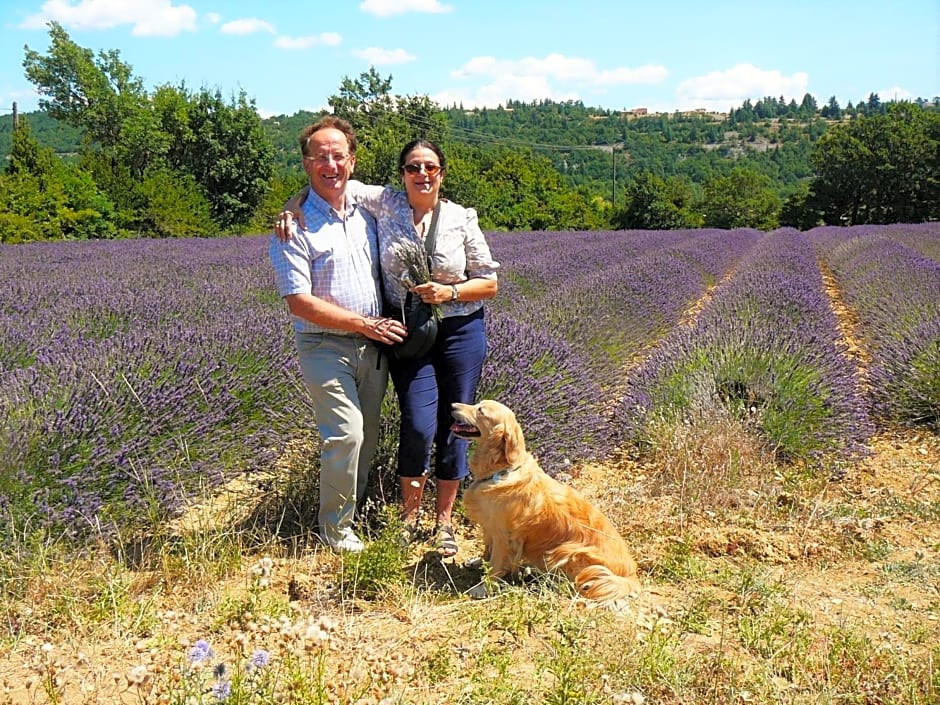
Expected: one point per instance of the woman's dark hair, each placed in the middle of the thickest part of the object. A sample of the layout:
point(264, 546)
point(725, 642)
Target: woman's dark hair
point(416, 144)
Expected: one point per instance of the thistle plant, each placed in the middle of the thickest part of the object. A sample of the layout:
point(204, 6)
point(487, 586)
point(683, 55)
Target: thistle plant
point(414, 259)
point(207, 680)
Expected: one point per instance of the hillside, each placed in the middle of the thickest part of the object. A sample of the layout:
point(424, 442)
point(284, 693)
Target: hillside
point(587, 146)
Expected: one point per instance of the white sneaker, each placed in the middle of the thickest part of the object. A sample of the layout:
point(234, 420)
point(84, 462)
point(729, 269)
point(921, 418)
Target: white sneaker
point(348, 542)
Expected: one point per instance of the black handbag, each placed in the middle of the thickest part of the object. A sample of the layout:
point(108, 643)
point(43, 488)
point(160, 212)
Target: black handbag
point(419, 318)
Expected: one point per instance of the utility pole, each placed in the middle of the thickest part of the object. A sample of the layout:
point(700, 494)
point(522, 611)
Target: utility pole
point(613, 175)
point(16, 119)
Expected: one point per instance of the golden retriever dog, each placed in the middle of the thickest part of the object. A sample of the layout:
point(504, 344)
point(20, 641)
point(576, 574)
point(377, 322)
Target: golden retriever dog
point(529, 518)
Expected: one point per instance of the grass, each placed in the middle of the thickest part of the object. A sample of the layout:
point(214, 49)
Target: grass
point(238, 601)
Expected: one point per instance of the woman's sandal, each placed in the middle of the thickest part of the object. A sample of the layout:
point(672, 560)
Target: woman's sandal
point(409, 534)
point(446, 543)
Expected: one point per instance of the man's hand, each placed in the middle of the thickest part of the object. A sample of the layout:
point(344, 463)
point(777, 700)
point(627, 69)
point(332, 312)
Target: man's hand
point(385, 330)
point(291, 218)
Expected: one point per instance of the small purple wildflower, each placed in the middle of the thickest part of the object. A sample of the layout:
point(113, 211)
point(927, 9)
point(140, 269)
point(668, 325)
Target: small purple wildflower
point(259, 659)
point(222, 690)
point(200, 652)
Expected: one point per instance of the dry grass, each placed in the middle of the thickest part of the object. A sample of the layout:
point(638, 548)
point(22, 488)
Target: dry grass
point(763, 584)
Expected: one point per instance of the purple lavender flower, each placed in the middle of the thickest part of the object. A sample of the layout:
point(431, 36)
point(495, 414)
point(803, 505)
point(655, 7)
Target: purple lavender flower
point(890, 277)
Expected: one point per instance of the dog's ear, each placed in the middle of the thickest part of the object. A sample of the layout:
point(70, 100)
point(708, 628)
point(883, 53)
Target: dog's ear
point(513, 443)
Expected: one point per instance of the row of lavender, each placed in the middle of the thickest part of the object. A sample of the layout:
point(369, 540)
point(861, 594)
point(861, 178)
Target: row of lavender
point(767, 347)
point(890, 277)
point(573, 307)
point(612, 293)
point(133, 372)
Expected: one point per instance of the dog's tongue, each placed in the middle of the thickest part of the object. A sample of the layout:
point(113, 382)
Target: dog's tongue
point(464, 429)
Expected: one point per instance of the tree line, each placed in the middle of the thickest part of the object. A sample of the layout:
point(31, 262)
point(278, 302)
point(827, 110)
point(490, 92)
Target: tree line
point(176, 162)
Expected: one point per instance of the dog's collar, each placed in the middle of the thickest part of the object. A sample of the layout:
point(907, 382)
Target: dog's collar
point(497, 476)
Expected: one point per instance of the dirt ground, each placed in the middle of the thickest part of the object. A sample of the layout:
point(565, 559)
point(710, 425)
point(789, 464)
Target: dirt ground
point(865, 550)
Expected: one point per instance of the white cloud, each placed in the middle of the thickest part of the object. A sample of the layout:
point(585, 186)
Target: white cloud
point(382, 57)
point(497, 92)
point(147, 17)
point(329, 39)
point(477, 66)
point(722, 90)
point(565, 69)
point(555, 76)
point(248, 25)
point(643, 75)
point(896, 93)
point(386, 8)
point(213, 17)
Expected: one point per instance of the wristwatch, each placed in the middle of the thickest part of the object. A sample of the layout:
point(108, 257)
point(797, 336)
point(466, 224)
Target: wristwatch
point(453, 292)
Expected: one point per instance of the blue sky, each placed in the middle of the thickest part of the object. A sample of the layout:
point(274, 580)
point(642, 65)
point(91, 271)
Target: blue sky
point(664, 55)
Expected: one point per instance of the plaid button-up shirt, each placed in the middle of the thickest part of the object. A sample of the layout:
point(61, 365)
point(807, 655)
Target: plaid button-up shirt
point(335, 258)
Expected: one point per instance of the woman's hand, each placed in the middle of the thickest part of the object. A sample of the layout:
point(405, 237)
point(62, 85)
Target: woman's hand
point(285, 226)
point(434, 293)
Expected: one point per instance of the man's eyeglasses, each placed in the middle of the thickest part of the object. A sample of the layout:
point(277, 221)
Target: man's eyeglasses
point(429, 169)
point(321, 159)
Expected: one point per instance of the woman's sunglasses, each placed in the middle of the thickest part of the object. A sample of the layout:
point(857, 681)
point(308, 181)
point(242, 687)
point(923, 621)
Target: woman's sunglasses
point(429, 169)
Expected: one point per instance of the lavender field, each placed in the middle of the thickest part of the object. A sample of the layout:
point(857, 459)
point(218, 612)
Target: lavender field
point(138, 373)
point(767, 348)
point(890, 277)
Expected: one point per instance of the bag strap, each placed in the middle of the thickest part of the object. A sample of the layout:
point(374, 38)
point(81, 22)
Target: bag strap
point(431, 240)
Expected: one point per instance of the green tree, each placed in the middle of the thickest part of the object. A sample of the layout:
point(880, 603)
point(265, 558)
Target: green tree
point(384, 123)
point(225, 149)
point(45, 198)
point(798, 212)
point(175, 205)
point(222, 145)
point(27, 155)
point(22, 206)
point(808, 107)
point(654, 203)
point(95, 94)
point(743, 199)
point(882, 168)
point(832, 109)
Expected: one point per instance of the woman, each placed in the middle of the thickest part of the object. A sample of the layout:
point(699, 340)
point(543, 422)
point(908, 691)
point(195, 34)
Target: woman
point(463, 275)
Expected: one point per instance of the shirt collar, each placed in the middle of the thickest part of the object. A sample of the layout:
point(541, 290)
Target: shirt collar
point(317, 203)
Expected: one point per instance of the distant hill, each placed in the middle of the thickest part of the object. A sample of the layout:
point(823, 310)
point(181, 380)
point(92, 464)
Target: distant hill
point(62, 138)
point(593, 148)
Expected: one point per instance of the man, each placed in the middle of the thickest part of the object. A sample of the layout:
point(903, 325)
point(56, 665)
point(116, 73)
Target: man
point(329, 276)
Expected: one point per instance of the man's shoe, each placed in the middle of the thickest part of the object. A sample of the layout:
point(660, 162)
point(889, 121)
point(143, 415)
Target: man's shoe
point(348, 542)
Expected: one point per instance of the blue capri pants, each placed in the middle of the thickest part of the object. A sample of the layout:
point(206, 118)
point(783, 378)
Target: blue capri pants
point(427, 386)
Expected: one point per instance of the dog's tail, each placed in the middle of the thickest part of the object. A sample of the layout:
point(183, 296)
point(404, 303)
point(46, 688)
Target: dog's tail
point(598, 582)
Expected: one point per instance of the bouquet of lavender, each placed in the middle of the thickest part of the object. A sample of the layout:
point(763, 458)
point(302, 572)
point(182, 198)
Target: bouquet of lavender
point(414, 258)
